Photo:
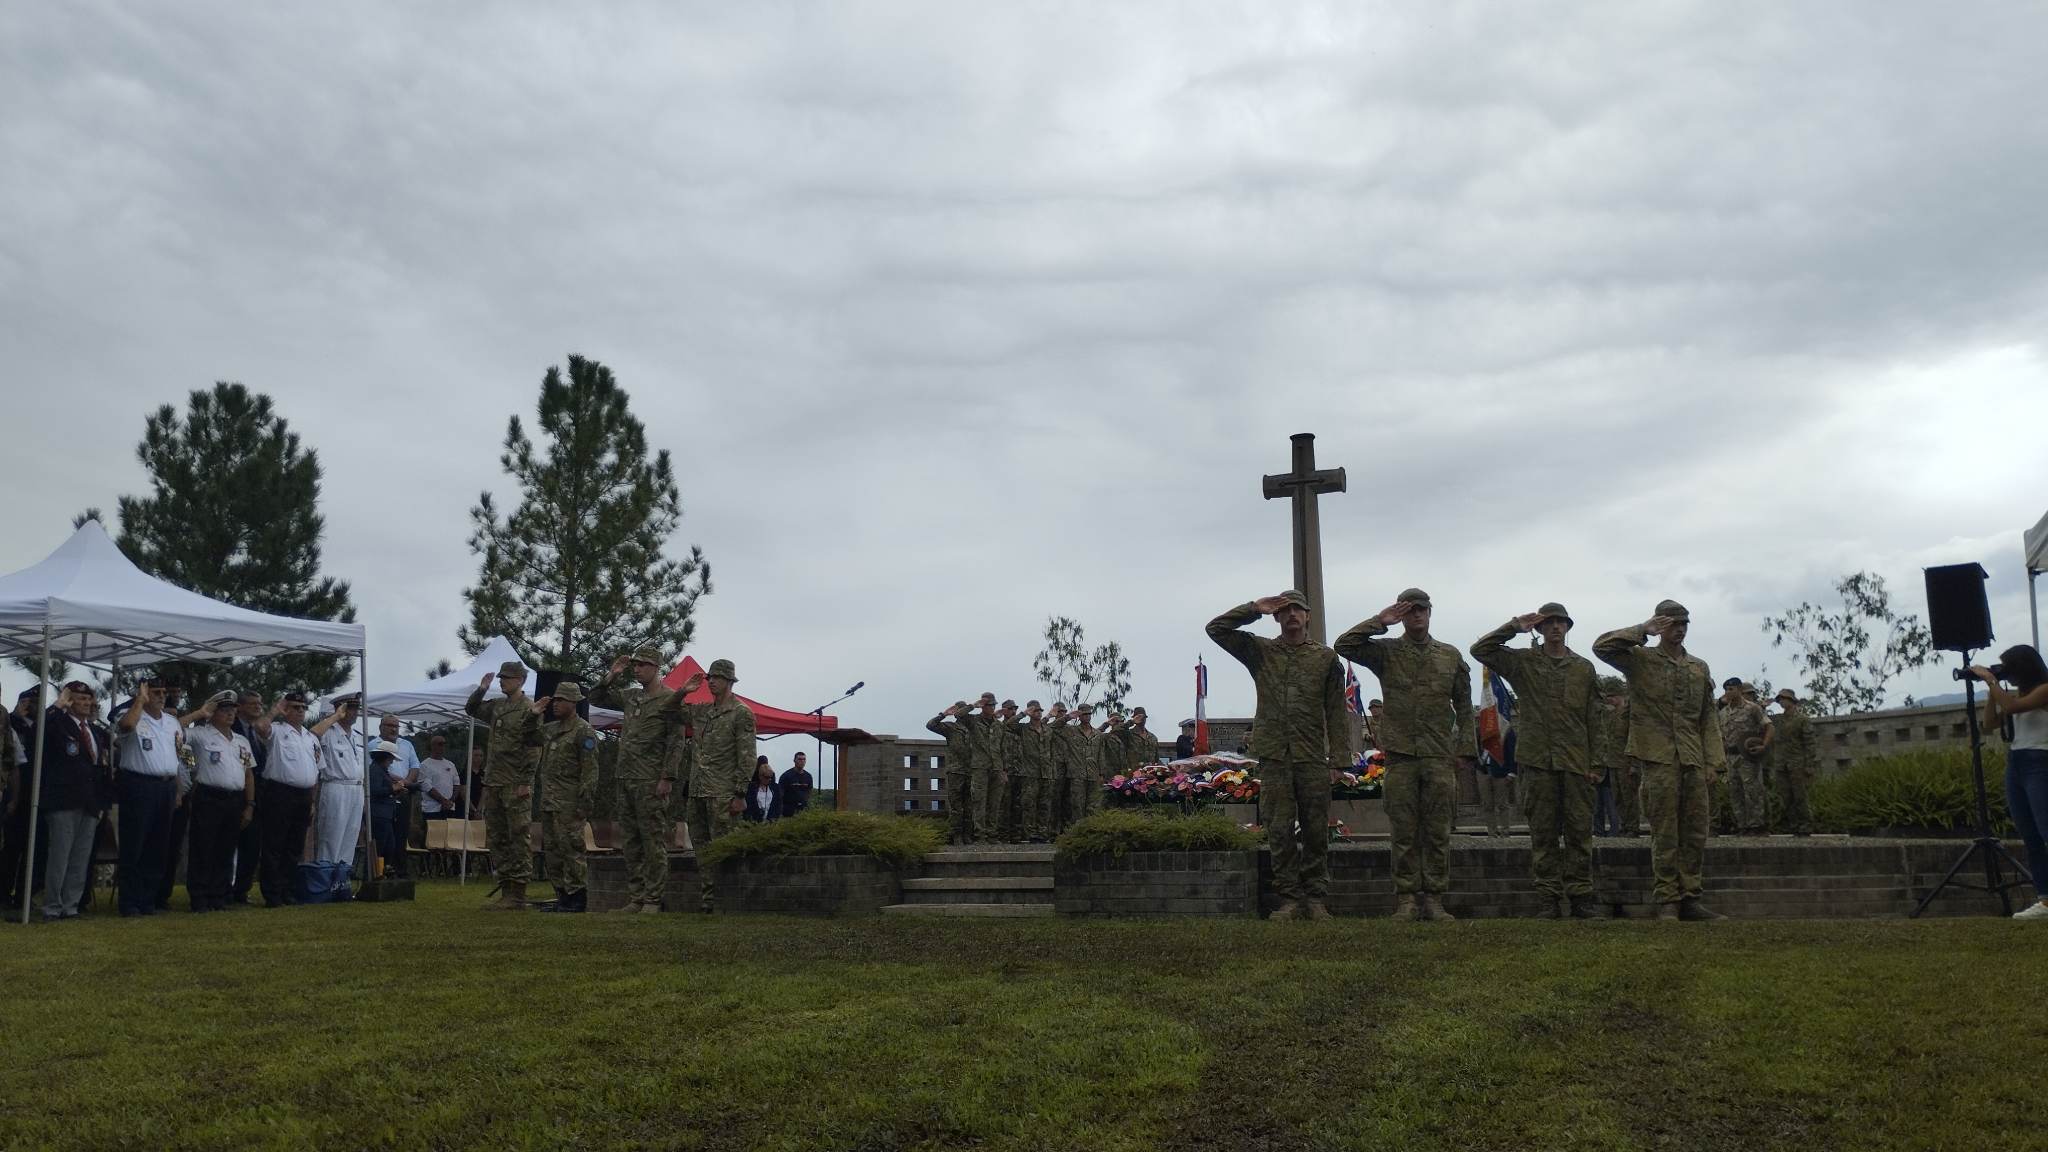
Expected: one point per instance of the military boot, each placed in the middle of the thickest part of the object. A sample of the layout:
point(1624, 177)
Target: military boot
point(628, 906)
point(1668, 911)
point(572, 901)
point(648, 908)
point(513, 898)
point(1690, 908)
point(1404, 909)
point(1316, 911)
point(1288, 910)
point(1583, 908)
point(1430, 908)
point(1550, 911)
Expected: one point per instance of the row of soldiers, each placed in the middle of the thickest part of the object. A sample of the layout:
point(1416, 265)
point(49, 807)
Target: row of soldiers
point(1023, 776)
point(1666, 737)
point(666, 746)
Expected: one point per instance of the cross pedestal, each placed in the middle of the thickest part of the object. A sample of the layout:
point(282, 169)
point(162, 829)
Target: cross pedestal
point(1303, 485)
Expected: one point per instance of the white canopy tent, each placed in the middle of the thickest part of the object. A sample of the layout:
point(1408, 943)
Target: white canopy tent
point(87, 603)
point(2036, 544)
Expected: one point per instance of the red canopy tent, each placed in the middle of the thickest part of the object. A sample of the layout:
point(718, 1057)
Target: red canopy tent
point(767, 721)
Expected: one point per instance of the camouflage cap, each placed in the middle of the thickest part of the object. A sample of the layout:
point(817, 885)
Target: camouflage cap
point(569, 690)
point(1088, 708)
point(1296, 599)
point(511, 669)
point(960, 705)
point(646, 655)
point(1554, 610)
point(722, 669)
point(1613, 686)
point(1140, 711)
point(1673, 610)
point(1009, 703)
point(1414, 596)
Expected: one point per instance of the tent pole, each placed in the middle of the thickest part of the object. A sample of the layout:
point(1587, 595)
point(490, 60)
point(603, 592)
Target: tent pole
point(35, 789)
point(468, 759)
point(2034, 607)
point(363, 718)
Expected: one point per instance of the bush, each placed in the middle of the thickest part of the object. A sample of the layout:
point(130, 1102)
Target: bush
point(828, 833)
point(1117, 831)
point(1930, 789)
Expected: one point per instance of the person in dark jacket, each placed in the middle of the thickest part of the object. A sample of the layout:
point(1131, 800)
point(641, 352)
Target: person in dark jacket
point(795, 788)
point(74, 780)
point(22, 723)
point(764, 798)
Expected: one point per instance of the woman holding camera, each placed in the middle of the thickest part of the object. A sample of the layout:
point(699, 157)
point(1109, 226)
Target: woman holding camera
point(2026, 756)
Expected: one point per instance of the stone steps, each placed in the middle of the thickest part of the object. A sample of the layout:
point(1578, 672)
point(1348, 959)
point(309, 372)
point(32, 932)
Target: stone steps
point(978, 890)
point(999, 880)
point(1006, 911)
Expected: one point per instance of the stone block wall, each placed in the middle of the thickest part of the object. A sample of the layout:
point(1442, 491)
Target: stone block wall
point(796, 885)
point(1157, 884)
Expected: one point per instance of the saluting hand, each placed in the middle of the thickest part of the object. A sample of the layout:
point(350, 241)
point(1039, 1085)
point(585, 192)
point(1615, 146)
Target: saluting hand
point(1394, 613)
point(1267, 605)
point(540, 706)
point(1656, 625)
point(1527, 623)
point(485, 684)
point(693, 683)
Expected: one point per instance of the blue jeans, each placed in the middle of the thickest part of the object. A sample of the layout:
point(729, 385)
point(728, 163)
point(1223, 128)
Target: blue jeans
point(2026, 798)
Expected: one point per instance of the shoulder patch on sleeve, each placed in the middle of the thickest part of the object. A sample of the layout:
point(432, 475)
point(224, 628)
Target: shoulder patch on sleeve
point(589, 743)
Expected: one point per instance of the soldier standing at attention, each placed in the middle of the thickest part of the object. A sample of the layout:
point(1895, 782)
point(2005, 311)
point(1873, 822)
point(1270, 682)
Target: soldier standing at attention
point(568, 770)
point(1558, 721)
point(1298, 737)
point(1034, 769)
point(1676, 746)
point(1052, 801)
point(514, 730)
point(1084, 765)
point(1610, 753)
point(1745, 737)
point(1795, 749)
point(1010, 749)
point(952, 726)
point(1427, 734)
point(649, 752)
point(725, 764)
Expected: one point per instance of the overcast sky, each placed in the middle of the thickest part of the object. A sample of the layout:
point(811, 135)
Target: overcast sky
point(959, 315)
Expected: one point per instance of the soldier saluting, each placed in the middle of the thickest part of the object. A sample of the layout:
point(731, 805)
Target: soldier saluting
point(509, 765)
point(1298, 736)
point(645, 772)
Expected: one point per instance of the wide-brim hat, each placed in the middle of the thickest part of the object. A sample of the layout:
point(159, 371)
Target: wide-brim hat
point(723, 670)
point(1787, 694)
point(1554, 611)
point(569, 690)
point(383, 748)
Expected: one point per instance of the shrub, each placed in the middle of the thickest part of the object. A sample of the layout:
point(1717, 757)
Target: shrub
point(828, 833)
point(1930, 789)
point(1117, 831)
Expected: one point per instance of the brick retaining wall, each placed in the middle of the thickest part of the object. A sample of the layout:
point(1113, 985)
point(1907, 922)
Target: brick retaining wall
point(1157, 884)
point(797, 885)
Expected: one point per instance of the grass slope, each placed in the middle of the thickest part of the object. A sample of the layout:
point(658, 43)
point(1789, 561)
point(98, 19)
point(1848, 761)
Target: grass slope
point(432, 1025)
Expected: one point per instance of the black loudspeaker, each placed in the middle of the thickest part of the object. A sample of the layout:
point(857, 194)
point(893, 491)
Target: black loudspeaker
point(1958, 611)
point(544, 682)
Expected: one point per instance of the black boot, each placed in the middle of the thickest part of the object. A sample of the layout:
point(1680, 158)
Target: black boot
point(1690, 908)
point(577, 901)
point(1550, 911)
point(1583, 908)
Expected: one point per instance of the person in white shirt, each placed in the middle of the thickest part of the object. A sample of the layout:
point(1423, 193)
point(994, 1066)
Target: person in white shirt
point(149, 743)
point(338, 810)
point(284, 798)
point(223, 802)
point(438, 781)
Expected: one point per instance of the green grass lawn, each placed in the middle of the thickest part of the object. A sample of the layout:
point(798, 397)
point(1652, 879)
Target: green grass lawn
point(433, 1025)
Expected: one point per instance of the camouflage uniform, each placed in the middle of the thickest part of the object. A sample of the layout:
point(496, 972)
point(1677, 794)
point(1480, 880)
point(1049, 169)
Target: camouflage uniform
point(649, 753)
point(1003, 821)
point(1033, 776)
point(1084, 771)
point(959, 738)
point(1557, 720)
point(1298, 736)
point(1428, 726)
point(1742, 725)
point(725, 763)
point(1610, 754)
point(1141, 748)
point(1675, 744)
point(509, 764)
point(1795, 761)
point(568, 769)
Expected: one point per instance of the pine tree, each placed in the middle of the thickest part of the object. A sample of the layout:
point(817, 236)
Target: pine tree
point(576, 574)
point(233, 513)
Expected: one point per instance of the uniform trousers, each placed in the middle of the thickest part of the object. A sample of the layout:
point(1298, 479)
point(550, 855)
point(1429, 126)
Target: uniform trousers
point(1559, 805)
point(283, 813)
point(507, 816)
point(1676, 797)
point(1496, 801)
point(248, 859)
point(1290, 794)
point(1028, 789)
point(338, 820)
point(1628, 799)
point(562, 843)
point(1051, 789)
point(384, 833)
point(1084, 798)
point(959, 807)
point(174, 849)
point(1752, 799)
point(215, 825)
point(145, 831)
point(1422, 800)
point(710, 818)
point(644, 832)
point(71, 836)
point(1794, 809)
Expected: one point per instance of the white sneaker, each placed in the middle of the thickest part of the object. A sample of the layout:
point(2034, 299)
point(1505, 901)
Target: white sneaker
point(2034, 911)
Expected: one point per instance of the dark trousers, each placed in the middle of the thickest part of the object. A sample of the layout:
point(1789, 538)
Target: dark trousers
point(2026, 800)
point(283, 814)
point(181, 832)
point(248, 851)
point(216, 824)
point(145, 828)
point(384, 816)
point(15, 848)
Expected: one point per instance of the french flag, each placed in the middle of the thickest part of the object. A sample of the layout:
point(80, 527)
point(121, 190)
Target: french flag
point(1201, 708)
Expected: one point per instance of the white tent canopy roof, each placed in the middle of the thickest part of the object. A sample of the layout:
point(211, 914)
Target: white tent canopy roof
point(445, 697)
point(99, 605)
point(2036, 543)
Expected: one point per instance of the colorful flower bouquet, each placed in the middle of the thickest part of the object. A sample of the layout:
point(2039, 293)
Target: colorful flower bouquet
point(1366, 780)
point(1220, 778)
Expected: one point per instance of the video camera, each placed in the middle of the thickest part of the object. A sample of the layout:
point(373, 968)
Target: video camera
point(1997, 673)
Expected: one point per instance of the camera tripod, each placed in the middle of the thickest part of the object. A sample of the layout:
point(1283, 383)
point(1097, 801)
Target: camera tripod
point(1985, 844)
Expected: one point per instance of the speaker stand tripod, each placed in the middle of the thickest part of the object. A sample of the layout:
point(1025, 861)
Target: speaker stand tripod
point(1985, 844)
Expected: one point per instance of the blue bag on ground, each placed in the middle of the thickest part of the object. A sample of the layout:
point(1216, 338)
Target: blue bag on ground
point(322, 882)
